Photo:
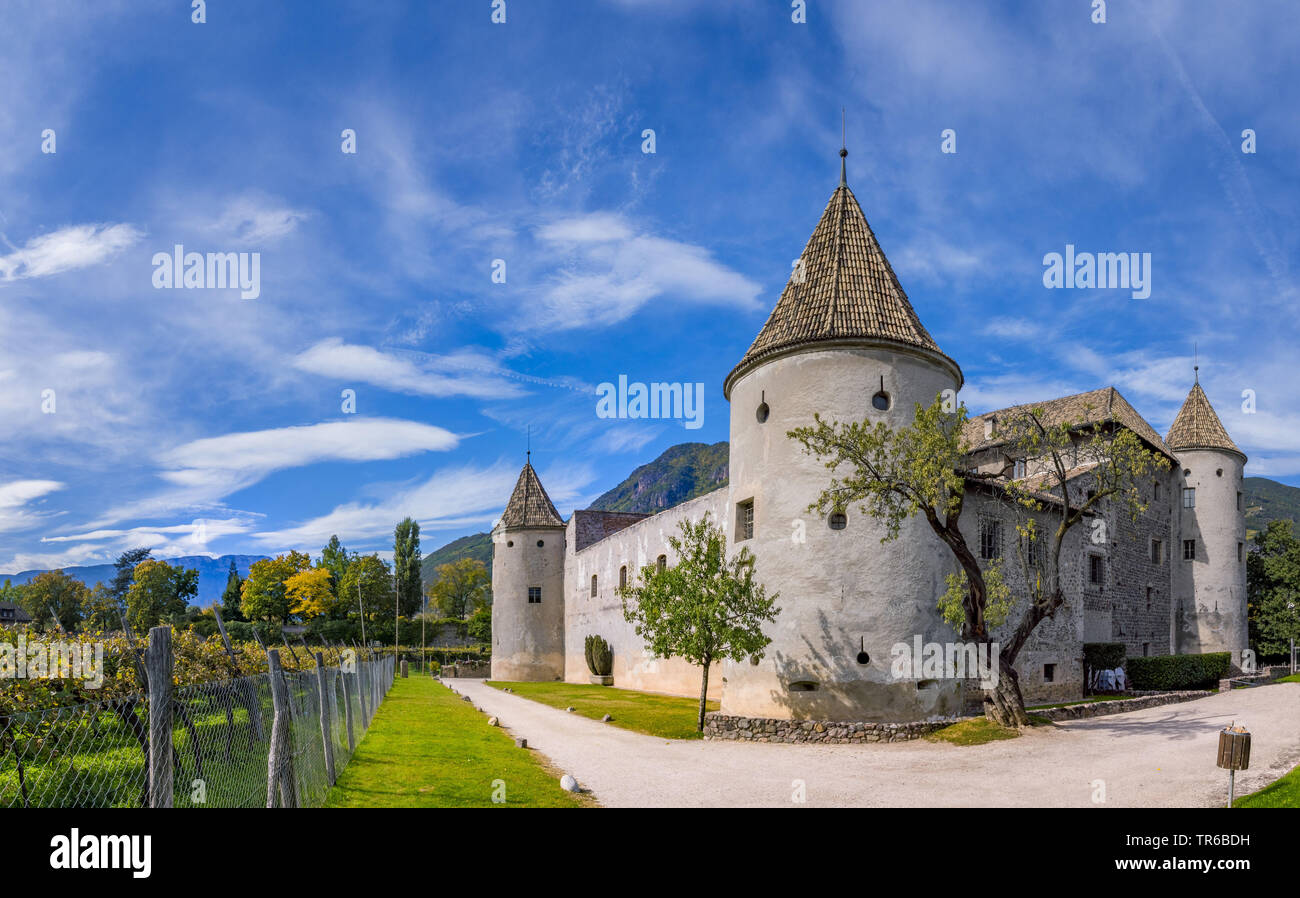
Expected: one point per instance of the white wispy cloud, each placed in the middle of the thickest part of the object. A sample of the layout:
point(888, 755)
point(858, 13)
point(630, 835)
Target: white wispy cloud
point(609, 269)
point(16, 495)
point(69, 248)
point(461, 373)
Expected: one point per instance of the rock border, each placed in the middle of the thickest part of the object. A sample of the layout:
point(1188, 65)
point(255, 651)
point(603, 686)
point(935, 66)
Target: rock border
point(768, 729)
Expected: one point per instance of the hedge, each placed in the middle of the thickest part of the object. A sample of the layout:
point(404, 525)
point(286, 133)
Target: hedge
point(1171, 672)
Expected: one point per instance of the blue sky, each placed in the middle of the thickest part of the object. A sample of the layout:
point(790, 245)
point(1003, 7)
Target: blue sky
point(195, 421)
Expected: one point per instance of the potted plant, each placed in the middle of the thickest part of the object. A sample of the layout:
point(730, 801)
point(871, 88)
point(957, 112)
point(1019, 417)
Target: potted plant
point(600, 661)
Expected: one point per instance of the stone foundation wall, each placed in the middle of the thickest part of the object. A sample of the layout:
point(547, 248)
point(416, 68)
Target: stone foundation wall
point(1119, 706)
point(766, 729)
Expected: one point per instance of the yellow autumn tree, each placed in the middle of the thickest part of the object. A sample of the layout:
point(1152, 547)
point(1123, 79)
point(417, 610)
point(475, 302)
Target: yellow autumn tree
point(311, 592)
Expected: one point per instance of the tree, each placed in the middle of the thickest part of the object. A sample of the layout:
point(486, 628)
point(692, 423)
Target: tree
point(125, 565)
point(54, 593)
point(927, 468)
point(99, 609)
point(406, 562)
point(704, 609)
point(263, 596)
point(311, 593)
point(334, 557)
point(461, 587)
point(233, 595)
point(159, 593)
point(369, 580)
point(479, 627)
point(1273, 589)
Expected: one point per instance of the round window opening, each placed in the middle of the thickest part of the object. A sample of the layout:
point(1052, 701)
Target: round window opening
point(838, 520)
point(863, 657)
point(762, 413)
point(880, 401)
point(1219, 473)
point(1187, 472)
point(540, 543)
point(510, 544)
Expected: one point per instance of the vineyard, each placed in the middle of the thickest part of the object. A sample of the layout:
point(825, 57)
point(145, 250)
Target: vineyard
point(237, 726)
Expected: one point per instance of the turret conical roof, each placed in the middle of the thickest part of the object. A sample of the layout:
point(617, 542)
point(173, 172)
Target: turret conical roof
point(1198, 427)
point(844, 290)
point(529, 506)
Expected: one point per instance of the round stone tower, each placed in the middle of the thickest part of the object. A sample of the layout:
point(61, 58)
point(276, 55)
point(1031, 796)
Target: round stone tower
point(1209, 550)
point(842, 341)
point(528, 586)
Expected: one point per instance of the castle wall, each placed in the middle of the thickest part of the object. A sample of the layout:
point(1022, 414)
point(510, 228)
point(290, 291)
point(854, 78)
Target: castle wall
point(1210, 591)
point(841, 591)
point(633, 546)
point(528, 638)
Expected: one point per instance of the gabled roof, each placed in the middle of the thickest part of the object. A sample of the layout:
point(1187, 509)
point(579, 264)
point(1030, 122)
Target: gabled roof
point(844, 290)
point(529, 506)
point(1095, 406)
point(1198, 427)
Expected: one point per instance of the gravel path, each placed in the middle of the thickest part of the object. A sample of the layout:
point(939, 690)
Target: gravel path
point(1158, 757)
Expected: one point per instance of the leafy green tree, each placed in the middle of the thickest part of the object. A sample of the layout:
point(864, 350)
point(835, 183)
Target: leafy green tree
point(926, 467)
point(99, 610)
point(55, 593)
point(233, 595)
point(406, 562)
point(479, 627)
point(125, 565)
point(462, 586)
point(1273, 589)
point(335, 558)
point(369, 581)
point(159, 593)
point(705, 608)
point(264, 595)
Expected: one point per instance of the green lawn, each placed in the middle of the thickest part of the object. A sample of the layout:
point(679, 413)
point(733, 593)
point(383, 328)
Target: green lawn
point(1285, 793)
point(429, 749)
point(980, 730)
point(666, 716)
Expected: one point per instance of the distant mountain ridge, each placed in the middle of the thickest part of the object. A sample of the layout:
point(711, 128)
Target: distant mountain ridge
point(681, 473)
point(1267, 500)
point(212, 573)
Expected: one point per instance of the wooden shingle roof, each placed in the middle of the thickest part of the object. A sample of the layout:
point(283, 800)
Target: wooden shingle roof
point(843, 290)
point(1198, 427)
point(1094, 406)
point(529, 506)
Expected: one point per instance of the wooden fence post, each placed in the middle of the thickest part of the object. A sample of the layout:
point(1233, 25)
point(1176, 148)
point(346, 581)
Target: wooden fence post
point(361, 694)
point(347, 708)
point(158, 661)
point(250, 694)
point(325, 709)
point(279, 762)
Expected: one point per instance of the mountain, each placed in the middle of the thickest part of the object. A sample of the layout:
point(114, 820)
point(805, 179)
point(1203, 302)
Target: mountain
point(681, 473)
point(476, 545)
point(1267, 500)
point(212, 573)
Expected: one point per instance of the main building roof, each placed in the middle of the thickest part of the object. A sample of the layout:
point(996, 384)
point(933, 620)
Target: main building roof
point(842, 290)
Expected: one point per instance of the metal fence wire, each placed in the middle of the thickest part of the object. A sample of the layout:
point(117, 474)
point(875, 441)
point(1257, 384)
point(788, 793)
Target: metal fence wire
point(238, 743)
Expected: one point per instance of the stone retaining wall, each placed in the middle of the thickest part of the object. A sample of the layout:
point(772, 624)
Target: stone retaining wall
point(765, 729)
point(1119, 706)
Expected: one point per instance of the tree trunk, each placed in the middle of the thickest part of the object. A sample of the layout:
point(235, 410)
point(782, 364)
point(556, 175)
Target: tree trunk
point(704, 696)
point(1003, 704)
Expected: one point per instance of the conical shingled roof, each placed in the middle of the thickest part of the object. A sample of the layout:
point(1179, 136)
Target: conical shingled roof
point(1198, 427)
point(529, 506)
point(846, 291)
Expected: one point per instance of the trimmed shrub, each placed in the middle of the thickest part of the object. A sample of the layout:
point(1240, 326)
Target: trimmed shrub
point(600, 658)
point(1171, 672)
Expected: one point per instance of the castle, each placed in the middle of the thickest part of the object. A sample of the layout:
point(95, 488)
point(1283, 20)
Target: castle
point(845, 342)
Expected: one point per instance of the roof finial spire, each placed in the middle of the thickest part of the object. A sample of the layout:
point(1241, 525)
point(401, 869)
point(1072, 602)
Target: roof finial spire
point(844, 149)
point(528, 456)
point(1196, 362)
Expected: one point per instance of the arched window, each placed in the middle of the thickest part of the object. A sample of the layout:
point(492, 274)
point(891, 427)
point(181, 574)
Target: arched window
point(593, 586)
point(838, 520)
point(622, 577)
point(662, 563)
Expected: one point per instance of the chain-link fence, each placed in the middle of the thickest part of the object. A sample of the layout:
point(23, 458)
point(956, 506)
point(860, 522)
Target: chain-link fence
point(274, 739)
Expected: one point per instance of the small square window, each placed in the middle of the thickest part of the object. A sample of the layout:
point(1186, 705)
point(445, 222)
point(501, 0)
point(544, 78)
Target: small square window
point(534, 595)
point(990, 538)
point(1146, 649)
point(1049, 673)
point(1189, 550)
point(1157, 551)
point(1155, 491)
point(1189, 497)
